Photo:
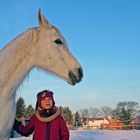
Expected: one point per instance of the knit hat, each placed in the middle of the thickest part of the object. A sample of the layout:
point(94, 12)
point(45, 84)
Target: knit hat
point(43, 94)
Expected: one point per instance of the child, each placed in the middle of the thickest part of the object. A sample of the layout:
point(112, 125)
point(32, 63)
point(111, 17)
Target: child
point(46, 123)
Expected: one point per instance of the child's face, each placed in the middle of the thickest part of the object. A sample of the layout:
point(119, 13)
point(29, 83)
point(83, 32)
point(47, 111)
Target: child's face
point(47, 103)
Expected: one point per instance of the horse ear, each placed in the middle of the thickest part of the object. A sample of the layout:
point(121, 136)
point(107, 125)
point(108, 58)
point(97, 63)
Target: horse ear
point(42, 20)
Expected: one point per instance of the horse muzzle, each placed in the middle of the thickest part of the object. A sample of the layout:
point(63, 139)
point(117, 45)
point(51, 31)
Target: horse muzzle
point(75, 78)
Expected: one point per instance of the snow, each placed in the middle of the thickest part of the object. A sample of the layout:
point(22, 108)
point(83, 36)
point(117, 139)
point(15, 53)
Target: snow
point(98, 135)
point(106, 135)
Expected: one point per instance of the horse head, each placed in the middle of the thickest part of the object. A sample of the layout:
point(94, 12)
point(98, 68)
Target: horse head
point(50, 53)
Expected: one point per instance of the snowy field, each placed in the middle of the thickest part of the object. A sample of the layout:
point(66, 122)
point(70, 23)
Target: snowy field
point(99, 135)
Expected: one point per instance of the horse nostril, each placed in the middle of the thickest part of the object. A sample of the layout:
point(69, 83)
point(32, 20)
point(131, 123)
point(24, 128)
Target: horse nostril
point(75, 78)
point(80, 73)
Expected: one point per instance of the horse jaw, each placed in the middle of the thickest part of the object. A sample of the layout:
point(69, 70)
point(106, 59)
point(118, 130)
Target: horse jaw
point(72, 76)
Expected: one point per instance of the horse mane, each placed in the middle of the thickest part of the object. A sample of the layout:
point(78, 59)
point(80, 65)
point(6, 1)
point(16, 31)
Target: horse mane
point(25, 38)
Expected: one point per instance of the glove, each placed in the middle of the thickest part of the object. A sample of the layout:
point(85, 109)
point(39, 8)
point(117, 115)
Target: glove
point(16, 125)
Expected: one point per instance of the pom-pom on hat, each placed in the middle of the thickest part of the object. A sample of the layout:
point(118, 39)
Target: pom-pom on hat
point(43, 94)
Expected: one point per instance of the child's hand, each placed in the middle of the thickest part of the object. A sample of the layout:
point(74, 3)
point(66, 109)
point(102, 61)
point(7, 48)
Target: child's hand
point(22, 119)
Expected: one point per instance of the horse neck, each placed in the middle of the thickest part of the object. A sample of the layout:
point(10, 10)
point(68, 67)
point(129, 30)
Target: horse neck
point(15, 63)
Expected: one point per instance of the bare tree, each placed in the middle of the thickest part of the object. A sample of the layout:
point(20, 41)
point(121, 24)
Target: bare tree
point(95, 112)
point(106, 111)
point(84, 113)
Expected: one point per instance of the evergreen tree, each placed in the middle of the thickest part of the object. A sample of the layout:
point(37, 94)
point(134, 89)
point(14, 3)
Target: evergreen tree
point(77, 121)
point(29, 111)
point(125, 111)
point(61, 110)
point(67, 114)
point(70, 117)
point(20, 108)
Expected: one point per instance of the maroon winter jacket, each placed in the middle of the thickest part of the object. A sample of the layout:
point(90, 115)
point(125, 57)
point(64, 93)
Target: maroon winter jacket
point(53, 130)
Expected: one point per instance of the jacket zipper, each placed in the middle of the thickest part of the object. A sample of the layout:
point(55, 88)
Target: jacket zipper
point(48, 126)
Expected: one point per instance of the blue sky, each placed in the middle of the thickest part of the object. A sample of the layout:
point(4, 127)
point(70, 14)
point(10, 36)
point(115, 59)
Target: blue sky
point(104, 35)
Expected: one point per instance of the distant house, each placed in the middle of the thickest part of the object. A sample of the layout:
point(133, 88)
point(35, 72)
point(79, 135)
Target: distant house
point(113, 124)
point(102, 123)
point(94, 123)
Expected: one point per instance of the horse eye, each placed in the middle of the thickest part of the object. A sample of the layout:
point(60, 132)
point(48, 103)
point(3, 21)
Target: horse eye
point(58, 41)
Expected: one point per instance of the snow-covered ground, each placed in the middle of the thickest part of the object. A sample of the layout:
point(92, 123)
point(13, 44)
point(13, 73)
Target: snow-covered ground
point(99, 135)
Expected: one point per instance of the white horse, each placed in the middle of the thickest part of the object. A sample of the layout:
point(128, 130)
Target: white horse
point(43, 47)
